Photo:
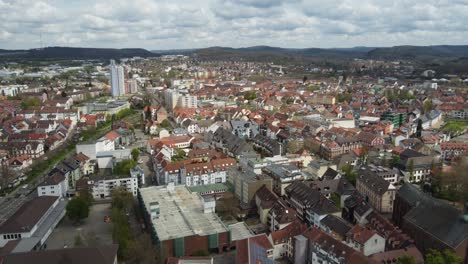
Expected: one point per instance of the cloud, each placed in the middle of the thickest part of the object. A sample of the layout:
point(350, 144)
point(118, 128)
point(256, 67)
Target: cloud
point(158, 24)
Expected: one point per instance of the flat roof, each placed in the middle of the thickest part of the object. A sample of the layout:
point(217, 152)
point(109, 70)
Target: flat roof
point(240, 231)
point(181, 213)
point(216, 187)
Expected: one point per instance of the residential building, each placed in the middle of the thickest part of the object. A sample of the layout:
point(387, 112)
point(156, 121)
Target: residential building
point(366, 241)
point(54, 185)
point(280, 216)
point(246, 184)
point(255, 249)
point(245, 129)
point(317, 168)
point(310, 205)
point(102, 185)
point(378, 192)
point(190, 173)
point(390, 175)
point(139, 173)
point(117, 79)
point(264, 200)
point(453, 149)
point(283, 176)
point(315, 246)
point(283, 240)
point(415, 165)
point(335, 226)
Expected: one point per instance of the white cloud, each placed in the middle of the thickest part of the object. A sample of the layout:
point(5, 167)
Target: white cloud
point(158, 24)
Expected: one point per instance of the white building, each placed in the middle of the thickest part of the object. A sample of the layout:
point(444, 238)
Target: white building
point(55, 185)
point(102, 188)
point(117, 79)
point(91, 149)
point(139, 173)
point(170, 98)
point(174, 99)
point(187, 101)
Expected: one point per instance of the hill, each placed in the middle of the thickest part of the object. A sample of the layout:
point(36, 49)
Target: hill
point(420, 52)
point(76, 53)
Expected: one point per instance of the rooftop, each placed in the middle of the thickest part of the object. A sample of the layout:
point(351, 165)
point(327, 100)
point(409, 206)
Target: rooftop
point(28, 215)
point(101, 255)
point(181, 213)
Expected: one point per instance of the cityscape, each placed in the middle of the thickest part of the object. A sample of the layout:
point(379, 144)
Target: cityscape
point(233, 132)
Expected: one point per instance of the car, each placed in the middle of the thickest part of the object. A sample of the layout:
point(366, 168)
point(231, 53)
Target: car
point(140, 161)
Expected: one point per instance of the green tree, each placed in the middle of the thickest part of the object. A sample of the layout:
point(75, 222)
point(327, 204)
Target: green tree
point(166, 124)
point(250, 96)
point(135, 154)
point(349, 173)
point(445, 257)
point(123, 167)
point(77, 209)
point(427, 106)
point(411, 169)
point(121, 199)
point(406, 260)
point(30, 102)
point(419, 128)
point(395, 161)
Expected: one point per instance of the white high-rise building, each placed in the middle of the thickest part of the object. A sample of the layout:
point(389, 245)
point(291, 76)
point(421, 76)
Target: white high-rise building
point(117, 79)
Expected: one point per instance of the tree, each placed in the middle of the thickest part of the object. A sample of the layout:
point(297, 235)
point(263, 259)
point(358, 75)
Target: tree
point(30, 102)
point(411, 169)
point(123, 167)
point(250, 96)
point(121, 199)
point(349, 173)
point(406, 260)
point(419, 128)
point(445, 257)
point(77, 209)
point(395, 161)
point(141, 250)
point(135, 154)
point(166, 124)
point(427, 106)
point(63, 94)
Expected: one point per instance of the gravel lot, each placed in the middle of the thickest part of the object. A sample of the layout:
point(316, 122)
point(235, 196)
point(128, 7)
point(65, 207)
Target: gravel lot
point(93, 230)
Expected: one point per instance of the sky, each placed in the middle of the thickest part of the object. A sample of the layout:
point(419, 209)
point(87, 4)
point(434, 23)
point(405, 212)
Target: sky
point(182, 24)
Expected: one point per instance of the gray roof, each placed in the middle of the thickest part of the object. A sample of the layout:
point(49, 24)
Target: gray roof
point(445, 222)
point(311, 198)
point(28, 215)
point(101, 255)
point(336, 224)
point(373, 182)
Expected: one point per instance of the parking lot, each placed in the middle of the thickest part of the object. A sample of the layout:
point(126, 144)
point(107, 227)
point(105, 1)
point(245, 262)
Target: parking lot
point(93, 231)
